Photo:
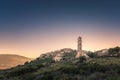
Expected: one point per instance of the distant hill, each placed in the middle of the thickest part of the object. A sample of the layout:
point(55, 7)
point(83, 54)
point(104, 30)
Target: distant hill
point(10, 60)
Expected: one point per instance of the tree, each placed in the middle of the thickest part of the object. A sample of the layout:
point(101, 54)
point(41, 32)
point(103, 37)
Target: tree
point(82, 59)
point(91, 54)
point(114, 51)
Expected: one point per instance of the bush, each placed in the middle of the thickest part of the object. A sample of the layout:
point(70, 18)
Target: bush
point(114, 52)
point(82, 59)
point(91, 54)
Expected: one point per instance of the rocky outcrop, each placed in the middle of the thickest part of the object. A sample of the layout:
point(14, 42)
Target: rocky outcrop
point(62, 54)
point(103, 52)
point(58, 54)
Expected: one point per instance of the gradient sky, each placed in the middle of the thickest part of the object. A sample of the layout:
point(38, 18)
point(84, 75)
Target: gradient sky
point(32, 27)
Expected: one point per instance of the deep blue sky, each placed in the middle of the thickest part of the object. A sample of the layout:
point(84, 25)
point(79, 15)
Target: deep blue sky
point(46, 19)
point(19, 14)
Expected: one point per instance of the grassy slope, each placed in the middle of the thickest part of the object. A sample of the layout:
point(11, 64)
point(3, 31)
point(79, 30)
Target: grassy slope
point(45, 69)
point(106, 61)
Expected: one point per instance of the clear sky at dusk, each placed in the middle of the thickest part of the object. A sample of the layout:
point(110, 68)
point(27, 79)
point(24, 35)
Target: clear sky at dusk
point(32, 27)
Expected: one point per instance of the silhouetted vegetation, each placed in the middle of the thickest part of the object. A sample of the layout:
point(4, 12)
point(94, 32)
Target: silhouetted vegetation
point(114, 52)
point(82, 59)
point(92, 54)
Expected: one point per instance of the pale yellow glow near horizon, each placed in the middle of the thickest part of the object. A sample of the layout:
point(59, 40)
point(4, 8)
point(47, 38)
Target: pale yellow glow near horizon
point(34, 48)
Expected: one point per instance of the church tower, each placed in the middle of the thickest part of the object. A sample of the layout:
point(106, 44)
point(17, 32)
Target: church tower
point(79, 47)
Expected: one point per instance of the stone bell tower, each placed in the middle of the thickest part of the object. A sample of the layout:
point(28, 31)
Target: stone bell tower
point(79, 47)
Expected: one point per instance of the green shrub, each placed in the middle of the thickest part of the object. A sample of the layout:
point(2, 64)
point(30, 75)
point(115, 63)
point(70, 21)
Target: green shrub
point(82, 59)
point(91, 54)
point(114, 51)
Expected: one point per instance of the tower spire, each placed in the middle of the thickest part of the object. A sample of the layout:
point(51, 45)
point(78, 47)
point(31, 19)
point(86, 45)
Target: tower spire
point(79, 47)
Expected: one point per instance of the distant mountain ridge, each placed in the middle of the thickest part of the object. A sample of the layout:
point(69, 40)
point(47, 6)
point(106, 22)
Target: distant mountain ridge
point(12, 60)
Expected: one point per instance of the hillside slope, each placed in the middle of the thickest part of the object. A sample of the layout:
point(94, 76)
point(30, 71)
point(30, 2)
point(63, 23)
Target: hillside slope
point(68, 68)
point(10, 60)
